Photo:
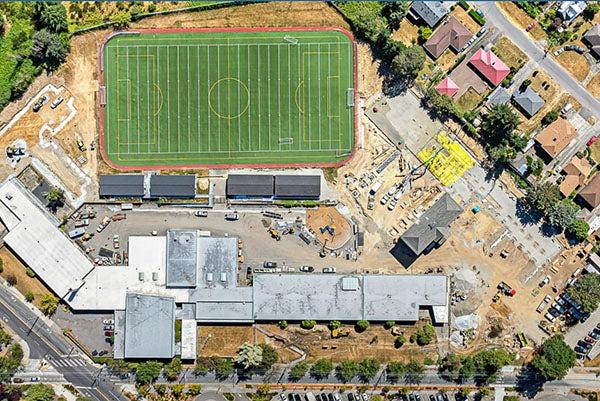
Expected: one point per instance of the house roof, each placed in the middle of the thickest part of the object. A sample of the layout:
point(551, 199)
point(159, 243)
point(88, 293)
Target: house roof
point(149, 326)
point(432, 225)
point(556, 136)
point(578, 166)
point(250, 185)
point(122, 185)
point(592, 36)
point(569, 10)
point(429, 11)
point(529, 101)
point(499, 96)
point(591, 192)
point(447, 87)
point(182, 258)
point(490, 66)
point(173, 186)
point(297, 186)
point(452, 34)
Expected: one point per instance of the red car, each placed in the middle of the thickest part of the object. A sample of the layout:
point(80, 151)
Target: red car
point(592, 140)
point(530, 27)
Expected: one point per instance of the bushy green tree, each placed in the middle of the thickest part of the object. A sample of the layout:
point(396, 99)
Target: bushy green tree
point(368, 368)
point(554, 358)
point(409, 62)
point(543, 196)
point(414, 372)
point(39, 392)
point(489, 362)
point(586, 291)
point(308, 324)
point(223, 368)
point(321, 368)
point(298, 371)
point(578, 230)
point(53, 16)
point(389, 324)
point(562, 214)
point(269, 357)
point(283, 324)
point(497, 130)
point(49, 48)
point(347, 370)
point(173, 369)
point(48, 304)
point(147, 372)
point(425, 335)
point(334, 324)
point(249, 356)
point(394, 371)
point(399, 341)
point(362, 325)
point(29, 296)
point(194, 389)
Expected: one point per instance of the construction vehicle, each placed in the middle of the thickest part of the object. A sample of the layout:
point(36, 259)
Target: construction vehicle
point(274, 234)
point(506, 289)
point(119, 216)
point(337, 333)
point(80, 145)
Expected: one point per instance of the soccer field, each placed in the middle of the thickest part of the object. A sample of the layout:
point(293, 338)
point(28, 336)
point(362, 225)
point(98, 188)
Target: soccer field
point(260, 97)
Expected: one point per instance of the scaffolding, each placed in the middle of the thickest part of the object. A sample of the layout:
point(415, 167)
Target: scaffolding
point(447, 160)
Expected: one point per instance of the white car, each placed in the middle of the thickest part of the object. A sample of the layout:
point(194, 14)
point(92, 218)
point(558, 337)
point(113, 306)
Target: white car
point(392, 204)
point(201, 213)
point(329, 270)
point(384, 199)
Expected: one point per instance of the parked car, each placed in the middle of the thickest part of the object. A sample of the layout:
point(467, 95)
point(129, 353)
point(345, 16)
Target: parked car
point(56, 102)
point(232, 216)
point(545, 281)
point(592, 140)
point(270, 265)
point(108, 321)
point(530, 26)
point(481, 31)
point(201, 213)
point(307, 269)
point(579, 349)
point(329, 270)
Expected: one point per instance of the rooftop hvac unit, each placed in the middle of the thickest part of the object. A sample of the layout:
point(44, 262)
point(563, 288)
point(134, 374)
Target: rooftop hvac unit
point(223, 277)
point(154, 276)
point(141, 276)
point(209, 277)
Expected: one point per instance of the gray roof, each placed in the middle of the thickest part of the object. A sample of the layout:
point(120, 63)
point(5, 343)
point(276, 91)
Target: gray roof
point(429, 11)
point(122, 185)
point(149, 326)
point(297, 186)
point(182, 258)
point(225, 305)
point(181, 186)
point(348, 298)
point(250, 185)
point(433, 224)
point(499, 96)
point(529, 101)
point(217, 257)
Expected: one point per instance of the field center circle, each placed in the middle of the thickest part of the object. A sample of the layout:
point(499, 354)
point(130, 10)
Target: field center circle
point(229, 98)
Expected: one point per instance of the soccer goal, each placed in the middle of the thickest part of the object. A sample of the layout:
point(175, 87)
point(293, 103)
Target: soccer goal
point(286, 141)
point(290, 39)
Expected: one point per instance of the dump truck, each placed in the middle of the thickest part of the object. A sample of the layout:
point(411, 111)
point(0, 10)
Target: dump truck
point(506, 289)
point(274, 234)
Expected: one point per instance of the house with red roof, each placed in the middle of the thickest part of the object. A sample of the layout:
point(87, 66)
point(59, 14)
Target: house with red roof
point(487, 64)
point(447, 87)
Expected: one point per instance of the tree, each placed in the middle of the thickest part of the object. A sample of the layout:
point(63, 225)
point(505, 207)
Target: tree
point(147, 372)
point(543, 196)
point(308, 324)
point(578, 230)
point(321, 368)
point(48, 304)
point(203, 366)
point(269, 357)
point(298, 371)
point(424, 33)
point(347, 370)
point(415, 372)
point(389, 324)
point(194, 389)
point(161, 389)
point(121, 19)
point(334, 324)
point(450, 367)
point(4, 337)
point(249, 356)
point(586, 291)
point(394, 12)
point(283, 324)
point(11, 279)
point(224, 368)
point(368, 368)
point(53, 17)
point(55, 195)
point(29, 296)
point(489, 362)
point(498, 124)
point(562, 214)
point(550, 117)
point(425, 335)
point(39, 392)
point(440, 104)
point(399, 341)
point(362, 325)
point(173, 369)
point(48, 48)
point(554, 358)
point(408, 63)
point(590, 11)
point(394, 371)
point(23, 76)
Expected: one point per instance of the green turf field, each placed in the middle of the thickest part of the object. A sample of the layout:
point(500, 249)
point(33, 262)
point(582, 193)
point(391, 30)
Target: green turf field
point(228, 98)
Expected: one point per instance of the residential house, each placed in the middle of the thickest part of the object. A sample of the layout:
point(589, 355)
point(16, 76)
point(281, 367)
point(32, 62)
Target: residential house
point(589, 196)
point(569, 10)
point(555, 137)
point(498, 96)
point(432, 228)
point(487, 64)
point(447, 87)
point(528, 101)
point(575, 174)
point(592, 39)
point(452, 34)
point(430, 12)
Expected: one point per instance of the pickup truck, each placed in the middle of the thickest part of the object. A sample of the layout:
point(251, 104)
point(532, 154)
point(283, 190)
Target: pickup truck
point(543, 304)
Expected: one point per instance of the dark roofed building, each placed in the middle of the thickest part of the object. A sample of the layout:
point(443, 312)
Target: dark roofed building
point(431, 12)
point(529, 102)
point(590, 194)
point(121, 186)
point(433, 226)
point(297, 186)
point(592, 39)
point(452, 34)
point(250, 186)
point(173, 186)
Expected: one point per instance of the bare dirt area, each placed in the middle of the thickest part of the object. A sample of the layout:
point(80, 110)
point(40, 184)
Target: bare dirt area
point(336, 229)
point(224, 341)
point(446, 60)
point(407, 33)
point(508, 52)
point(575, 63)
point(513, 12)
point(552, 94)
point(594, 86)
point(370, 80)
point(376, 342)
point(469, 100)
point(13, 266)
point(460, 14)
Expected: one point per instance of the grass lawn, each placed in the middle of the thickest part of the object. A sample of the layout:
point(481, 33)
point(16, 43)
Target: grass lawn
point(469, 100)
point(13, 266)
point(508, 52)
point(594, 86)
point(407, 33)
point(575, 63)
point(522, 19)
point(595, 151)
point(465, 19)
point(215, 98)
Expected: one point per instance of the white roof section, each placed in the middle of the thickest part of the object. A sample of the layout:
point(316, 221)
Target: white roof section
point(188, 339)
point(35, 237)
